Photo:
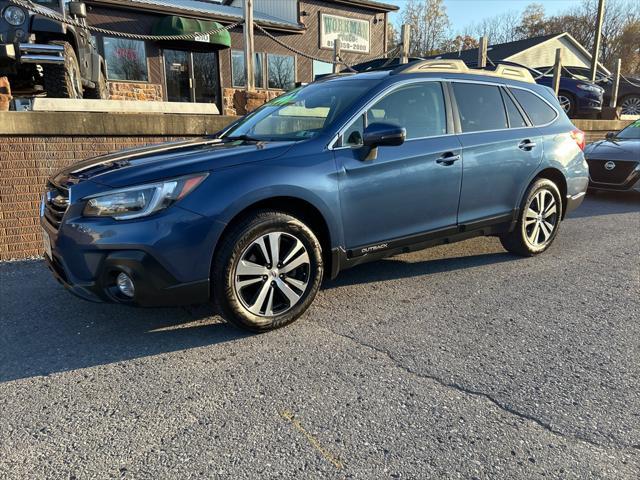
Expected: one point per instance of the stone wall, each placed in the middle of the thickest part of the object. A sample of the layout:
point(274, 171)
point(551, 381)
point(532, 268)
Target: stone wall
point(146, 92)
point(237, 101)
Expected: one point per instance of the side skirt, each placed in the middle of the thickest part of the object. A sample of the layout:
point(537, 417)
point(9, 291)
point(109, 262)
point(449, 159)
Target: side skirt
point(345, 259)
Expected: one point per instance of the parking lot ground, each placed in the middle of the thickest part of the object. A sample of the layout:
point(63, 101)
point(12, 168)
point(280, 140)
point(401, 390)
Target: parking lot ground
point(462, 361)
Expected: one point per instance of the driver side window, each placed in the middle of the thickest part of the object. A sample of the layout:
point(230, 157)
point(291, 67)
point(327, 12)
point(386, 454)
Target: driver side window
point(419, 108)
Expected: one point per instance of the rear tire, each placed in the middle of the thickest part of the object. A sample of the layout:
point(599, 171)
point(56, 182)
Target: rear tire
point(64, 81)
point(267, 271)
point(538, 221)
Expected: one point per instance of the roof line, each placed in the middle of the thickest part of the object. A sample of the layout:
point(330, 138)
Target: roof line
point(127, 5)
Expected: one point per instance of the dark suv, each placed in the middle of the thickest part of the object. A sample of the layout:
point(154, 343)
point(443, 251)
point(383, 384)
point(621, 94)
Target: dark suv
point(348, 169)
point(38, 53)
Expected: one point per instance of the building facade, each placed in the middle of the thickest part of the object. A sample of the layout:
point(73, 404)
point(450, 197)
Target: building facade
point(211, 69)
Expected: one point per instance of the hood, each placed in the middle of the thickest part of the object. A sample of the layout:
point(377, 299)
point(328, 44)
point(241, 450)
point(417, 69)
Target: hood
point(139, 165)
point(619, 149)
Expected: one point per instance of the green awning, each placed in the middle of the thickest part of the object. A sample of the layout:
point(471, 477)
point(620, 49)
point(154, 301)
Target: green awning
point(172, 25)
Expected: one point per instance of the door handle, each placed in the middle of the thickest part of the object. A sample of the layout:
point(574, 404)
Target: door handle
point(448, 158)
point(527, 145)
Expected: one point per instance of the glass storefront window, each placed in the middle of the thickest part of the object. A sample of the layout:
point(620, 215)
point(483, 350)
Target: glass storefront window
point(126, 59)
point(281, 71)
point(238, 71)
point(321, 68)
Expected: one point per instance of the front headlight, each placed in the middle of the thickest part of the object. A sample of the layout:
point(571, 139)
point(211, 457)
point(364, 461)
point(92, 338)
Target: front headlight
point(15, 16)
point(142, 200)
point(589, 88)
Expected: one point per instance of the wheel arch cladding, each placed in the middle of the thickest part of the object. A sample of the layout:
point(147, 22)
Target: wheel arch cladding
point(303, 210)
point(557, 177)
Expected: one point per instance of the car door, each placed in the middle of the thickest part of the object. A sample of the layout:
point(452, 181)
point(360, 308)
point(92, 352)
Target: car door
point(500, 151)
point(408, 189)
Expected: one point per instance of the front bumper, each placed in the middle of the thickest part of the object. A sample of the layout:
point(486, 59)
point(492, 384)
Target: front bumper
point(167, 255)
point(31, 53)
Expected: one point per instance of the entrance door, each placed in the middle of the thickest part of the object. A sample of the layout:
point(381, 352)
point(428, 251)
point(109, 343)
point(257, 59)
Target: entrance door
point(192, 77)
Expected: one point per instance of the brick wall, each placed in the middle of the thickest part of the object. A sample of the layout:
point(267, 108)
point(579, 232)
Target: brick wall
point(26, 163)
point(148, 92)
point(236, 101)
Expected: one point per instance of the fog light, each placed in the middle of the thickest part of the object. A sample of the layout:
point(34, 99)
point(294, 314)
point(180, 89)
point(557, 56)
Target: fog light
point(125, 285)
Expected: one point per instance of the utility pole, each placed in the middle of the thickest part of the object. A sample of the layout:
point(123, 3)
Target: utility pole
point(596, 42)
point(482, 52)
point(405, 37)
point(557, 71)
point(336, 55)
point(248, 45)
point(616, 84)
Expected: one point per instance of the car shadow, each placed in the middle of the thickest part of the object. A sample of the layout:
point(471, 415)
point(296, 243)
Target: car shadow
point(395, 268)
point(607, 203)
point(44, 329)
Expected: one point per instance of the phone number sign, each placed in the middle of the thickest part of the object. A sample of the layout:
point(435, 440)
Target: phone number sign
point(354, 34)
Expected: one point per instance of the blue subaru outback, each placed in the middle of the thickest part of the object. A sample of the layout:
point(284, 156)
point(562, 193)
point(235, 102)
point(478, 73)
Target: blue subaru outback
point(348, 169)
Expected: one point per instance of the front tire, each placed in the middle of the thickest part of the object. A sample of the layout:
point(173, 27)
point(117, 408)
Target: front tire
point(538, 221)
point(568, 103)
point(101, 92)
point(630, 105)
point(267, 271)
point(64, 81)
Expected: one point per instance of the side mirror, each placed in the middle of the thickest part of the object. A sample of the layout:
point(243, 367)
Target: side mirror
point(381, 135)
point(611, 135)
point(78, 9)
point(384, 135)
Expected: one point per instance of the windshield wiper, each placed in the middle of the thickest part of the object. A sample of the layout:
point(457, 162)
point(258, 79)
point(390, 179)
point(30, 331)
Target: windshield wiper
point(244, 137)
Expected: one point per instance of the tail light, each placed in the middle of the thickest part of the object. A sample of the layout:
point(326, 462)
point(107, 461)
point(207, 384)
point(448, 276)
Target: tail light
point(580, 138)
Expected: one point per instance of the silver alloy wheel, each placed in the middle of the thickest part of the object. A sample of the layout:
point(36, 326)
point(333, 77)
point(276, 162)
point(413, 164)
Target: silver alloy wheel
point(541, 218)
point(272, 275)
point(565, 103)
point(631, 106)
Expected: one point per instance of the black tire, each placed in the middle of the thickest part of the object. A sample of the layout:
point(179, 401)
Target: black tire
point(519, 241)
point(239, 244)
point(630, 105)
point(64, 81)
point(568, 103)
point(101, 92)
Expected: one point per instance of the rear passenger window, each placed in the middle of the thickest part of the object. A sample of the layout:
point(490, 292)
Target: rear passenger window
point(538, 110)
point(480, 107)
point(516, 120)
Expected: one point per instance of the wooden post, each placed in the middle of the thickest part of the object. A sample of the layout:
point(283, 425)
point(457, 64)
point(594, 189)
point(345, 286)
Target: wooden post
point(596, 43)
point(482, 52)
point(5, 94)
point(336, 56)
point(557, 71)
point(405, 37)
point(249, 54)
point(613, 103)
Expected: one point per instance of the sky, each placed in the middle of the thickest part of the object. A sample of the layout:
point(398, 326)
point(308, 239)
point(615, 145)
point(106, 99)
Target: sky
point(465, 12)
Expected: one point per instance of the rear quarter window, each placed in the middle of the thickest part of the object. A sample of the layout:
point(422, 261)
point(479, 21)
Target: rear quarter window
point(539, 111)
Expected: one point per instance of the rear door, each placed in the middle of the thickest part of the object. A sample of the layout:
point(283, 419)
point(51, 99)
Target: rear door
point(501, 150)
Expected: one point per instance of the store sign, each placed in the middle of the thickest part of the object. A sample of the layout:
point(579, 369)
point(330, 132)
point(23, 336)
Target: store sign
point(354, 34)
point(203, 38)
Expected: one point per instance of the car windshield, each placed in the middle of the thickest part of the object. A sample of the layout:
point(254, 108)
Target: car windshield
point(302, 113)
point(632, 132)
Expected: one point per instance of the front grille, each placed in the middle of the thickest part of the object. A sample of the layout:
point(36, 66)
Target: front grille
point(618, 175)
point(56, 203)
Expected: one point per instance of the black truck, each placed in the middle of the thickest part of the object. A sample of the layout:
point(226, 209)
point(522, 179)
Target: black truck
point(39, 54)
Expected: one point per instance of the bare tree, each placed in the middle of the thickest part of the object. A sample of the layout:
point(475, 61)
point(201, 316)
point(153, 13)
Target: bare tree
point(429, 23)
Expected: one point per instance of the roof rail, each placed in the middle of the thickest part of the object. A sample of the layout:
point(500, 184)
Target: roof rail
point(458, 66)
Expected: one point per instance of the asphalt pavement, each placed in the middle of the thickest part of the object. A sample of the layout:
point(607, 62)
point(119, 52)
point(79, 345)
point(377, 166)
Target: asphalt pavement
point(461, 361)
